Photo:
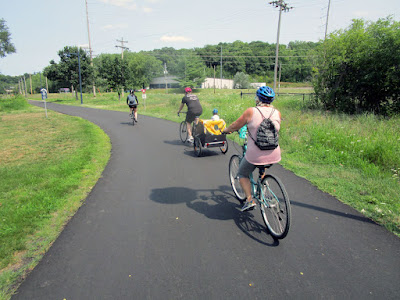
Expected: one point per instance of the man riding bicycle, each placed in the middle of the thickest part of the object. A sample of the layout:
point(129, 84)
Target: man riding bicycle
point(194, 110)
point(132, 102)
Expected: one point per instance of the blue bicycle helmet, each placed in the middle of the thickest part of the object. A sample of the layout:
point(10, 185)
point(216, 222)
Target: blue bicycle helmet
point(215, 111)
point(265, 94)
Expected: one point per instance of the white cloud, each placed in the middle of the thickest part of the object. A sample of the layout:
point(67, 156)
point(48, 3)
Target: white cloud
point(147, 9)
point(84, 46)
point(114, 26)
point(169, 38)
point(127, 4)
point(361, 14)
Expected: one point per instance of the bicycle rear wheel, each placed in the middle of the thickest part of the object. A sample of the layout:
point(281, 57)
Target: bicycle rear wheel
point(224, 148)
point(275, 208)
point(197, 146)
point(234, 179)
point(133, 119)
point(183, 134)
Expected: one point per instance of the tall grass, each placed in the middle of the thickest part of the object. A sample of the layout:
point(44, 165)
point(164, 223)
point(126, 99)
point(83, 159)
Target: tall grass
point(355, 158)
point(9, 104)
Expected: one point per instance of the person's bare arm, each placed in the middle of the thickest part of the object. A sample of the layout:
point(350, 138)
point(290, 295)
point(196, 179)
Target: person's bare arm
point(240, 122)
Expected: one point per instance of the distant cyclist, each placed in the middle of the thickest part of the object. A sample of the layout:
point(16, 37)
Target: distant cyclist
point(194, 110)
point(132, 102)
point(253, 116)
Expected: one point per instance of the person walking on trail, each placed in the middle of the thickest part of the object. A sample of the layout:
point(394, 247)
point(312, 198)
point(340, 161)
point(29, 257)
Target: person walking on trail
point(194, 110)
point(132, 102)
point(252, 117)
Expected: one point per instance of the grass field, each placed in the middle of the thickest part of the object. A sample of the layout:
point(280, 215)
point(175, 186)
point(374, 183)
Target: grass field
point(47, 167)
point(354, 158)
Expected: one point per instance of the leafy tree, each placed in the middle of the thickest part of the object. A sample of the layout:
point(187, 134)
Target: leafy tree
point(6, 47)
point(193, 72)
point(141, 69)
point(113, 69)
point(8, 83)
point(67, 70)
point(358, 68)
point(241, 81)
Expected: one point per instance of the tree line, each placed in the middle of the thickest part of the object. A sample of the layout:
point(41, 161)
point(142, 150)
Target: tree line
point(191, 66)
point(353, 70)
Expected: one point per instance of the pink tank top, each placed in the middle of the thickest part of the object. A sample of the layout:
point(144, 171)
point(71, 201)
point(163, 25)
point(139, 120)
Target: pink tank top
point(254, 155)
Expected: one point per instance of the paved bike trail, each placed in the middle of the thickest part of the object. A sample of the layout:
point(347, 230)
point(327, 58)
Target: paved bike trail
point(164, 224)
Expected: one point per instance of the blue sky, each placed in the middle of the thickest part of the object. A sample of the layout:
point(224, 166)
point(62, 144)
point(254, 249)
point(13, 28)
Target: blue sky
point(40, 28)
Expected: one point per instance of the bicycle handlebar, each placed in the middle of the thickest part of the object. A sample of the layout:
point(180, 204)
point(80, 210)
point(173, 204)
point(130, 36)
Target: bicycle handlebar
point(182, 112)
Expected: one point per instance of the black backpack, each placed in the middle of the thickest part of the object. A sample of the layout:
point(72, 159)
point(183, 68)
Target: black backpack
point(267, 135)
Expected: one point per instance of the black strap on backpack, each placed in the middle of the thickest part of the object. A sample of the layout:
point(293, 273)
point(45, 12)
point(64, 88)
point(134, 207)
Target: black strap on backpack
point(273, 110)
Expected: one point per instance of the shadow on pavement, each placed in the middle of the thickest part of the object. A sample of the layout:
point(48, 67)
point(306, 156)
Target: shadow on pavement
point(215, 204)
point(332, 212)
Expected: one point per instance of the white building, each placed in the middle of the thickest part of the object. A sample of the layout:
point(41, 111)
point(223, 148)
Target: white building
point(256, 85)
point(218, 83)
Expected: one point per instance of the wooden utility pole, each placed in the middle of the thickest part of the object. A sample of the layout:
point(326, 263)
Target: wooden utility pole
point(214, 78)
point(122, 47)
point(327, 17)
point(283, 6)
point(47, 86)
point(25, 90)
point(90, 46)
point(122, 54)
point(30, 82)
point(221, 67)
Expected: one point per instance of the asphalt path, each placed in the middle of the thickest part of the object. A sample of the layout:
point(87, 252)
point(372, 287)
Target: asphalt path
point(163, 224)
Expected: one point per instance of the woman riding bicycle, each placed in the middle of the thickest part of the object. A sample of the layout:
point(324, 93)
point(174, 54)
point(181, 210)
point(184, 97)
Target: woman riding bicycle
point(253, 116)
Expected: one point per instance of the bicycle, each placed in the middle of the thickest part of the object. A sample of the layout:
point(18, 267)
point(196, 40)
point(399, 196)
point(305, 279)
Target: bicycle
point(269, 192)
point(132, 116)
point(183, 132)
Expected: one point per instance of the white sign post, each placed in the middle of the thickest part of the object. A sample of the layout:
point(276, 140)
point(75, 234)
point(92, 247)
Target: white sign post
point(144, 97)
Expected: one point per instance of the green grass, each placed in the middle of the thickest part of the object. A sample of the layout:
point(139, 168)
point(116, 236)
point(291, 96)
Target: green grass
point(47, 167)
point(354, 158)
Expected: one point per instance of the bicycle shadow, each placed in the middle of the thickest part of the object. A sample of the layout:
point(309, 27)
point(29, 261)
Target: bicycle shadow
point(127, 123)
point(176, 143)
point(215, 204)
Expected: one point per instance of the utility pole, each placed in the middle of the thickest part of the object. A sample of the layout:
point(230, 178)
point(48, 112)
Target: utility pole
point(214, 78)
point(122, 56)
point(283, 6)
point(25, 89)
point(327, 17)
point(90, 46)
point(122, 47)
point(221, 66)
point(30, 82)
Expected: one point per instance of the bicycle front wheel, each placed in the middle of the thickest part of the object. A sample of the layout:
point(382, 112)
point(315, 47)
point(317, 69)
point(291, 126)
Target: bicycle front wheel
point(234, 179)
point(275, 206)
point(183, 134)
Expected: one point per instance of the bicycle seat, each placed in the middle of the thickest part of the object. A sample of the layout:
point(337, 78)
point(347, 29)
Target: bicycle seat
point(264, 166)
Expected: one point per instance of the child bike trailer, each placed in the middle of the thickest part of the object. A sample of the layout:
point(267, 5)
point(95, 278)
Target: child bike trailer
point(208, 134)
